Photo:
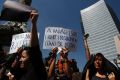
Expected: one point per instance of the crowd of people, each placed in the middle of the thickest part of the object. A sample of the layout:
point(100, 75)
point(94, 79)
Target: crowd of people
point(27, 63)
point(63, 68)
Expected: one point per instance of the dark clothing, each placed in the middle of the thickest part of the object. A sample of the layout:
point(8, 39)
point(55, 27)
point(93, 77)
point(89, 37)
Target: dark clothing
point(2, 60)
point(35, 68)
point(37, 62)
point(108, 68)
point(21, 74)
point(30, 74)
point(98, 78)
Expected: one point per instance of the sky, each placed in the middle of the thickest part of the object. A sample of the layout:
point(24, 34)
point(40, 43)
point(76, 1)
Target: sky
point(66, 14)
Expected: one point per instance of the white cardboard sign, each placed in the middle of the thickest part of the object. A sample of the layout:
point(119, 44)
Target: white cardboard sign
point(60, 37)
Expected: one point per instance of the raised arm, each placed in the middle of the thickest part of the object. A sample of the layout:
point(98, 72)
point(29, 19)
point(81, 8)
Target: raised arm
point(35, 53)
point(34, 37)
point(66, 64)
point(86, 46)
point(52, 64)
point(87, 75)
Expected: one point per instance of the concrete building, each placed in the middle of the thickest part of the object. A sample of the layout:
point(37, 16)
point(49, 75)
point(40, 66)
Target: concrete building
point(101, 23)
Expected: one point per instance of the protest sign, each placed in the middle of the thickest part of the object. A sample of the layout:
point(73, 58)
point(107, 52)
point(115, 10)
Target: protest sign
point(20, 40)
point(60, 37)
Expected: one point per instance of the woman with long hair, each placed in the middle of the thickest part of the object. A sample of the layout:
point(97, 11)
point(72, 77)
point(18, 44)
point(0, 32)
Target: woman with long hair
point(99, 68)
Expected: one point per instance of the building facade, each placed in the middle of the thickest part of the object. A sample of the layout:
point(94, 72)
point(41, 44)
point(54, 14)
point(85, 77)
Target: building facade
point(101, 23)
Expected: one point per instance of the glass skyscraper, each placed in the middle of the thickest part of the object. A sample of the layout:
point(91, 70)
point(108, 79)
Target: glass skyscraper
point(100, 22)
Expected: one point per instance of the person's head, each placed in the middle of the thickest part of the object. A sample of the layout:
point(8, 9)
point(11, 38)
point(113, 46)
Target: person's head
point(24, 58)
point(99, 61)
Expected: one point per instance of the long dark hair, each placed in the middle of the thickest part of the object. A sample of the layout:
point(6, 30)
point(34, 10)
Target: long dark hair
point(107, 68)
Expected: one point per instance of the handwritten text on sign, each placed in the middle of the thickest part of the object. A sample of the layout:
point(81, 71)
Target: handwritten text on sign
point(59, 37)
point(20, 40)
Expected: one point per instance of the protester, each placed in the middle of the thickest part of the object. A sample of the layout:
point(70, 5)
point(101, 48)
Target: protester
point(50, 63)
point(65, 69)
point(63, 65)
point(35, 55)
point(99, 68)
point(28, 65)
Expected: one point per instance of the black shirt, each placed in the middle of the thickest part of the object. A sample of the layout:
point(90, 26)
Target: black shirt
point(98, 78)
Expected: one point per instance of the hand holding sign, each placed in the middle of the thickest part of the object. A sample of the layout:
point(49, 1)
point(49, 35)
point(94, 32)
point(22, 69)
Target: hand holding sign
point(64, 53)
point(19, 40)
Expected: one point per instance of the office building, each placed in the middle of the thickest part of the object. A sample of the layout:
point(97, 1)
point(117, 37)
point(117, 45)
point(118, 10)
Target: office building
point(101, 23)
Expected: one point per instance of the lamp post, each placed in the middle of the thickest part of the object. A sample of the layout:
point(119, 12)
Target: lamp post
point(86, 46)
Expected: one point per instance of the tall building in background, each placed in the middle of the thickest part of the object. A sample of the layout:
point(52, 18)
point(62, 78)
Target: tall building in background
point(101, 23)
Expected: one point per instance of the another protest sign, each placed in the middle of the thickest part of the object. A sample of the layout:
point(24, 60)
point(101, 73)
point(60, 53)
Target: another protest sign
point(20, 40)
point(60, 37)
